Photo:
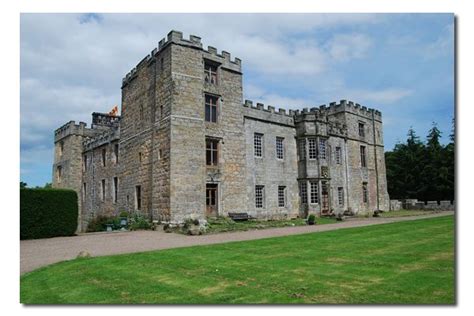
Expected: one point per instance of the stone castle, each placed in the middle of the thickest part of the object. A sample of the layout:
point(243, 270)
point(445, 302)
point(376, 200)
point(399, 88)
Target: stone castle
point(187, 146)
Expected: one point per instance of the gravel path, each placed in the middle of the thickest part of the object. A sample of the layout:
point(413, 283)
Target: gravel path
point(41, 252)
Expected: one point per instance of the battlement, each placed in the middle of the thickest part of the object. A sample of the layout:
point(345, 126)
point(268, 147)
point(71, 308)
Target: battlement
point(100, 139)
point(176, 37)
point(343, 106)
point(70, 128)
point(105, 120)
point(268, 113)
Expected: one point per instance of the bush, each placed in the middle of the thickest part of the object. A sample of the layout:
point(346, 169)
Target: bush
point(139, 222)
point(99, 223)
point(311, 219)
point(47, 213)
point(123, 214)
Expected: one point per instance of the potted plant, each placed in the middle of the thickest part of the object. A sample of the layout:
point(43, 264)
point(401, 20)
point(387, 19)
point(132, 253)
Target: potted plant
point(123, 219)
point(311, 219)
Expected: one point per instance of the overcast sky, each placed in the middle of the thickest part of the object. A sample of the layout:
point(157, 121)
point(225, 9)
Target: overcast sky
point(402, 64)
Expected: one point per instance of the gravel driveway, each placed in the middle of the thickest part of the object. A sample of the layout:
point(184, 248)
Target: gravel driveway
point(41, 252)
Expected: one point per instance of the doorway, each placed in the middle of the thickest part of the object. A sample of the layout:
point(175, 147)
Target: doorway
point(211, 200)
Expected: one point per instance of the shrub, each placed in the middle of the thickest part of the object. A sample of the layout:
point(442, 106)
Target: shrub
point(123, 214)
point(139, 222)
point(311, 219)
point(47, 213)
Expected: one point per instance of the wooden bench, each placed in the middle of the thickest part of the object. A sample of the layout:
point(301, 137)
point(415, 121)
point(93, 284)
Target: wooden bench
point(240, 216)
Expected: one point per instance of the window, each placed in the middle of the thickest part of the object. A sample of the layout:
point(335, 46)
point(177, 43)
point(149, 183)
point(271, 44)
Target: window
point(365, 193)
point(61, 148)
point(338, 155)
point(314, 192)
point(211, 108)
point(257, 144)
point(115, 189)
point(102, 187)
point(116, 153)
point(59, 170)
point(140, 157)
point(212, 152)
point(138, 197)
point(104, 152)
point(281, 196)
point(302, 145)
point(340, 196)
point(161, 64)
point(84, 191)
point(259, 196)
point(363, 162)
point(141, 112)
point(160, 153)
point(210, 73)
point(312, 148)
point(322, 149)
point(84, 162)
point(361, 130)
point(304, 192)
point(279, 147)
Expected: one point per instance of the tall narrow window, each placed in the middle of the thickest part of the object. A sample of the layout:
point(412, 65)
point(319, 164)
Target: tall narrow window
point(302, 149)
point(259, 196)
point(210, 73)
point(212, 152)
point(257, 144)
point(140, 157)
point(84, 162)
point(84, 191)
point(322, 149)
point(104, 152)
point(361, 129)
point(61, 148)
point(141, 113)
point(363, 162)
point(116, 153)
point(59, 170)
point(211, 108)
point(162, 64)
point(314, 192)
point(340, 196)
point(115, 189)
point(338, 155)
point(102, 187)
point(312, 148)
point(303, 192)
point(279, 147)
point(365, 193)
point(138, 197)
point(281, 196)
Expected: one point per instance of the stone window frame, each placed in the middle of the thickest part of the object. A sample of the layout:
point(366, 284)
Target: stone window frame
point(340, 196)
point(84, 191)
point(212, 74)
point(281, 196)
point(312, 149)
point(259, 196)
point(59, 170)
point(104, 156)
point(361, 129)
point(338, 155)
point(61, 148)
point(363, 156)
point(103, 190)
point(212, 152)
point(365, 193)
point(304, 192)
point(302, 149)
point(115, 188)
point(116, 153)
point(211, 117)
point(258, 145)
point(280, 147)
point(314, 192)
point(84, 162)
point(138, 198)
point(322, 146)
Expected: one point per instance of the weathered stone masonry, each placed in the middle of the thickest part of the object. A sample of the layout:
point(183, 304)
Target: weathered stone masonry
point(187, 146)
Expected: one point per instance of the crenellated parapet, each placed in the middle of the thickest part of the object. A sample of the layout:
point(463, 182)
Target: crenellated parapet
point(105, 120)
point(268, 113)
point(354, 108)
point(176, 37)
point(100, 139)
point(70, 128)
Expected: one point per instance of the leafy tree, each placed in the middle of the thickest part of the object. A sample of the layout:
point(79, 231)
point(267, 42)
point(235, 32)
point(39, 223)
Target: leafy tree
point(23, 185)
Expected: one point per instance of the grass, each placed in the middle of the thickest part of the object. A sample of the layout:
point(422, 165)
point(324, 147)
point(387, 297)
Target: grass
point(220, 225)
point(399, 263)
point(401, 213)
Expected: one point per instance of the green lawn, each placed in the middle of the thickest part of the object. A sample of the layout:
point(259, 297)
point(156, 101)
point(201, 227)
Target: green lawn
point(400, 263)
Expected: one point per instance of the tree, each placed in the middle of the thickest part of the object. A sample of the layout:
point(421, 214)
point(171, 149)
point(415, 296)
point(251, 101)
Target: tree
point(23, 185)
